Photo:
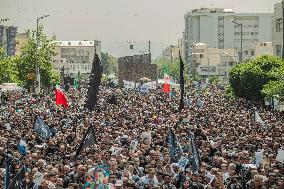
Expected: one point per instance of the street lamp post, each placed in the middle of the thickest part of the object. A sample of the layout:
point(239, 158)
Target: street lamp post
point(241, 25)
point(227, 54)
point(37, 85)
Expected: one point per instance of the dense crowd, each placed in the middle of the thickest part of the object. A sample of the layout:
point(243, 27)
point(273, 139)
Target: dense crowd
point(224, 129)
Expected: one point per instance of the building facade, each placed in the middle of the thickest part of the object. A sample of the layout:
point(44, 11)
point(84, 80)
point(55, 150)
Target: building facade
point(215, 28)
point(75, 56)
point(278, 29)
point(171, 52)
point(208, 62)
point(8, 39)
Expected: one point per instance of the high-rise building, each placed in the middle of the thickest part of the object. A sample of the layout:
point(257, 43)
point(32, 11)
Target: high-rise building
point(278, 29)
point(215, 28)
point(7, 39)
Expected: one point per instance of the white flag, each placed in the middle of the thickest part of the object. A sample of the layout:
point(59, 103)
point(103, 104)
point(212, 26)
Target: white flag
point(257, 118)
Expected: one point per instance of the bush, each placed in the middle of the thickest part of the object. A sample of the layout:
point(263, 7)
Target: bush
point(248, 79)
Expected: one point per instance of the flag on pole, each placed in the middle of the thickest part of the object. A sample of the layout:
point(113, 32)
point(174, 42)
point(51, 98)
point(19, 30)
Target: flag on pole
point(76, 84)
point(94, 83)
point(88, 140)
point(195, 155)
point(42, 129)
point(167, 86)
point(175, 148)
point(181, 82)
point(61, 98)
point(19, 181)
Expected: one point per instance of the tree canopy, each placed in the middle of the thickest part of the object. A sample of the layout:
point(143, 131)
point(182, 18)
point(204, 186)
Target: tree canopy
point(15, 69)
point(170, 66)
point(41, 56)
point(248, 79)
point(110, 64)
point(9, 72)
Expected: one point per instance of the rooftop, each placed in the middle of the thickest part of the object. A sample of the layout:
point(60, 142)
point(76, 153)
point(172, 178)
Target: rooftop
point(76, 43)
point(212, 10)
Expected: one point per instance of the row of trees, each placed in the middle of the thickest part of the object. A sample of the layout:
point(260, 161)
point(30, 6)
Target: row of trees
point(16, 69)
point(259, 78)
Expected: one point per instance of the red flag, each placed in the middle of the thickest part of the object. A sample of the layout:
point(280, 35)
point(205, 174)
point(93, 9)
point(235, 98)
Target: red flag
point(61, 98)
point(167, 87)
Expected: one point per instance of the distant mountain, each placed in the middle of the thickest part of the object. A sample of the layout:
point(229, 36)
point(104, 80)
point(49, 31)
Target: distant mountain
point(122, 48)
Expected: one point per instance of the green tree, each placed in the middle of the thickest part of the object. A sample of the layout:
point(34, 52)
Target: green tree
point(248, 79)
point(110, 64)
point(273, 88)
point(41, 56)
point(8, 68)
point(172, 66)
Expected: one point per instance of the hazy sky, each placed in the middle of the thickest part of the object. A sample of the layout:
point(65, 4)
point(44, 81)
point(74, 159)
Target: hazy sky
point(160, 21)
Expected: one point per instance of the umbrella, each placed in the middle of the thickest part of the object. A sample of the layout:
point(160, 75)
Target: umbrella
point(144, 79)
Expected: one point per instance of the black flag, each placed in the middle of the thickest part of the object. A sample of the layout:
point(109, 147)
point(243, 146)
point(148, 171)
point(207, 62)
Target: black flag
point(195, 155)
point(19, 181)
point(174, 147)
point(94, 83)
point(88, 140)
point(181, 80)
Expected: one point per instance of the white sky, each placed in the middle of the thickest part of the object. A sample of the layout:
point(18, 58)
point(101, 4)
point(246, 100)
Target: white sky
point(160, 21)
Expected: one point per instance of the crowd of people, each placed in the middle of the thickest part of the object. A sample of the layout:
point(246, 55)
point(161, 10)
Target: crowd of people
point(132, 145)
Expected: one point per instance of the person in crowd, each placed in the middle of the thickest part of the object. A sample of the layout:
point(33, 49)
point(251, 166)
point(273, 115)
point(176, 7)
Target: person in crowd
point(132, 150)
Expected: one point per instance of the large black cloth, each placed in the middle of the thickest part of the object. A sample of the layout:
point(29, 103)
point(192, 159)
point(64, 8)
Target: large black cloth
point(94, 83)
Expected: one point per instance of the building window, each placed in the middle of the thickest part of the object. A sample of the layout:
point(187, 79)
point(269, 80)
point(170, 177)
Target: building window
point(246, 53)
point(252, 53)
point(279, 25)
point(201, 55)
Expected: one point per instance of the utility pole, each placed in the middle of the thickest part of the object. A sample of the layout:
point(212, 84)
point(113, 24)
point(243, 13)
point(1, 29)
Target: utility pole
point(37, 83)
